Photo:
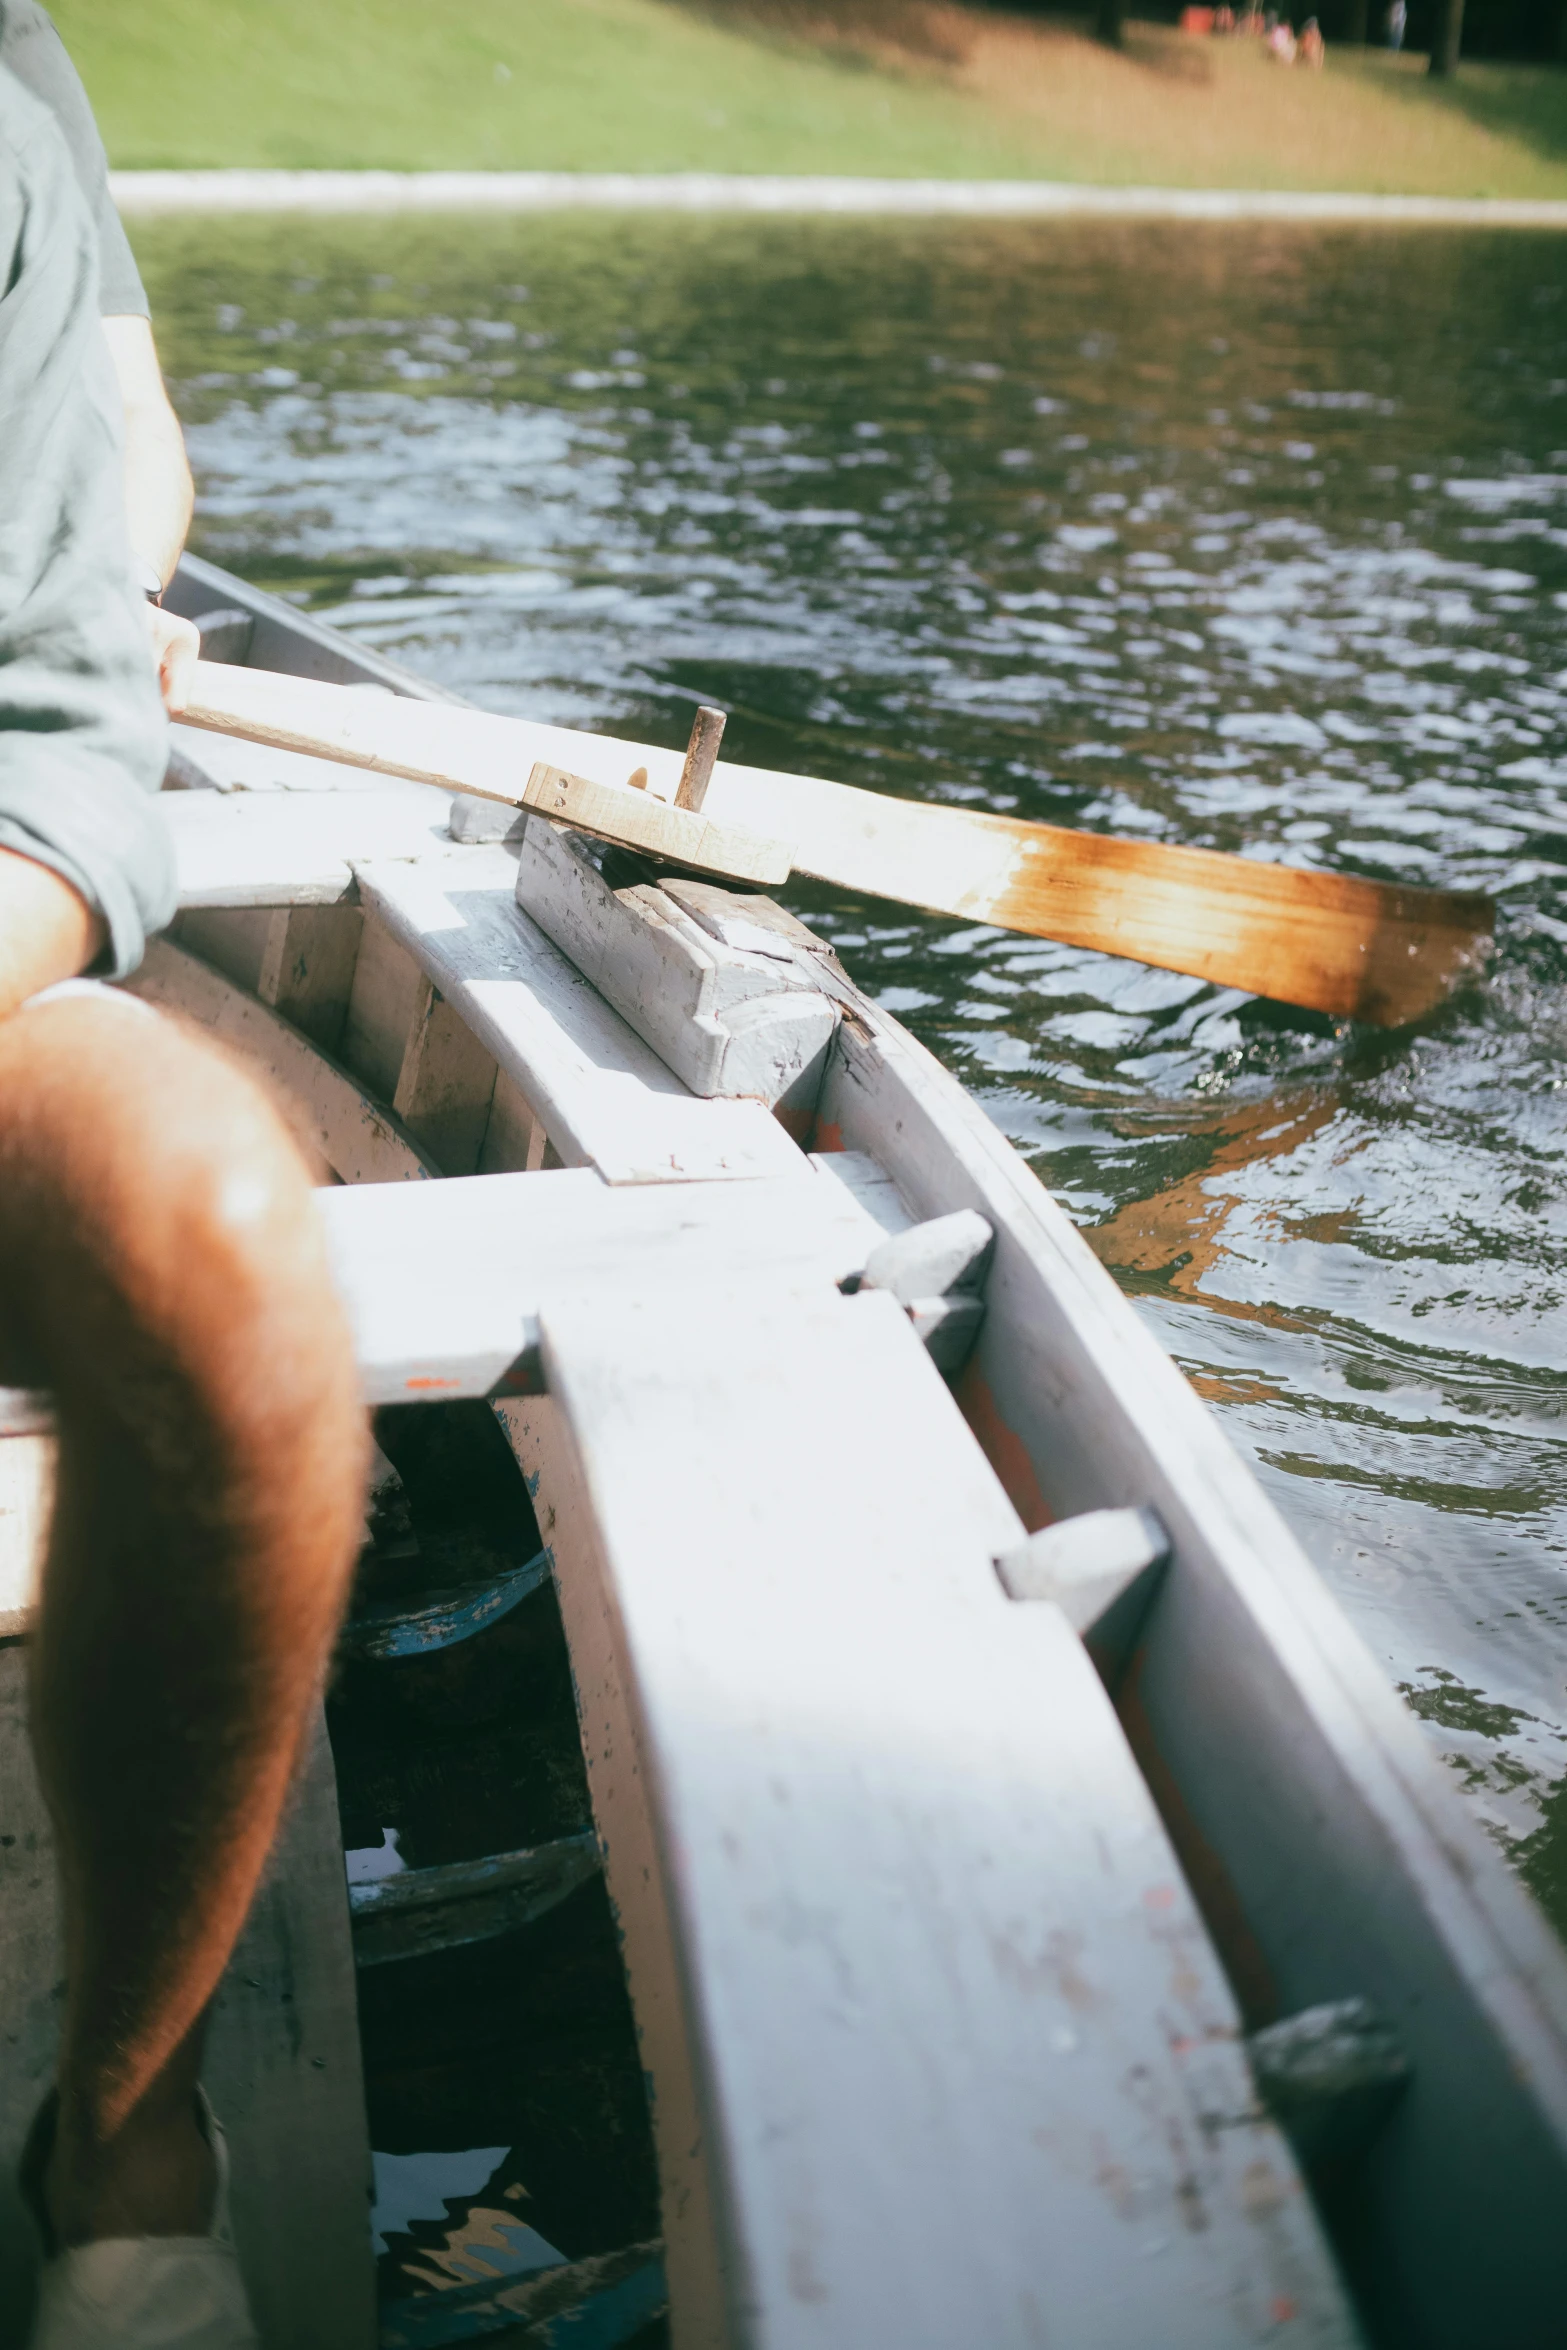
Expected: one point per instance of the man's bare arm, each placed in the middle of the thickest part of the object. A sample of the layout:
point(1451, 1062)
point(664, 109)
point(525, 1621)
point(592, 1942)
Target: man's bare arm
point(47, 930)
point(158, 491)
point(159, 495)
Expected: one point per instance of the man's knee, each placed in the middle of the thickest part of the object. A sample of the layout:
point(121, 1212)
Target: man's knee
point(155, 1214)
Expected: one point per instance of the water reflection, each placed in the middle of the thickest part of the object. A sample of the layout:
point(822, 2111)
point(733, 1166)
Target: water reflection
point(1250, 538)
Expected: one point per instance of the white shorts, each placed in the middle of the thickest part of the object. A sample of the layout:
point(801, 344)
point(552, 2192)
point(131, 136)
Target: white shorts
point(96, 990)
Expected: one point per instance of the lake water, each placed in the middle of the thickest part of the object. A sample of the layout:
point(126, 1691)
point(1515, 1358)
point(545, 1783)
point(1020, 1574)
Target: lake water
point(1250, 538)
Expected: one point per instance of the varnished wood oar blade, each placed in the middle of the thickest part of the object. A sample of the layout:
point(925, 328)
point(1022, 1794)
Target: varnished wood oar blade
point(1368, 950)
point(1365, 950)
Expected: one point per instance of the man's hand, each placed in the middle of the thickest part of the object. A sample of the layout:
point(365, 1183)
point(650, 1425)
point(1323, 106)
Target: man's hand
point(176, 646)
point(47, 930)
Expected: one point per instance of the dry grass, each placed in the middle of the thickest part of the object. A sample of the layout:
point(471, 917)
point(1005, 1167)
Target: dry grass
point(1173, 111)
point(1179, 112)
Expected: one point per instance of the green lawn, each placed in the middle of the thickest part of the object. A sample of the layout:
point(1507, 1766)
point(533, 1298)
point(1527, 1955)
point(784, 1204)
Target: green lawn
point(914, 87)
point(602, 85)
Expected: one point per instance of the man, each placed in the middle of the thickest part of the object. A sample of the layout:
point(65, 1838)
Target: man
point(161, 1272)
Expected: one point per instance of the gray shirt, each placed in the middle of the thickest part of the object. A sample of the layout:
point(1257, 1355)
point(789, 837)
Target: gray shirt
point(83, 737)
point(35, 53)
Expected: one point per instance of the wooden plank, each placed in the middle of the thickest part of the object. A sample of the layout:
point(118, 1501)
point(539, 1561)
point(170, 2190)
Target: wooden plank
point(233, 940)
point(912, 1960)
point(385, 1004)
point(307, 970)
point(293, 848)
point(638, 820)
point(445, 1284)
point(1332, 1856)
point(728, 1005)
point(606, 1099)
point(299, 959)
point(514, 1139)
point(359, 1141)
point(283, 2063)
point(445, 1086)
point(284, 2072)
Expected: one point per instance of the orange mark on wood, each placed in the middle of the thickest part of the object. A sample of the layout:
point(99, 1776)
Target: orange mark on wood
point(797, 1124)
point(1002, 1447)
point(828, 1137)
point(1282, 2309)
point(418, 1386)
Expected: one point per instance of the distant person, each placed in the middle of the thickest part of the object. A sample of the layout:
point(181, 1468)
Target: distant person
point(1281, 44)
point(1397, 19)
point(1313, 49)
point(162, 1275)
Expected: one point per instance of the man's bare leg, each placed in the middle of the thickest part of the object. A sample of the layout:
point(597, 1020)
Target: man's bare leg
point(161, 1271)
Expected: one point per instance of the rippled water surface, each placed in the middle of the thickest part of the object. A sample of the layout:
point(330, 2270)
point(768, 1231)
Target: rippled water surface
point(1252, 539)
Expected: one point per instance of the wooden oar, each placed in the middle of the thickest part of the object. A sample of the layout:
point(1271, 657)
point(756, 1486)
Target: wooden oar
point(1373, 950)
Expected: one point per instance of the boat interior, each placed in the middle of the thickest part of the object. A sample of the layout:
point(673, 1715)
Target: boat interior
point(842, 1815)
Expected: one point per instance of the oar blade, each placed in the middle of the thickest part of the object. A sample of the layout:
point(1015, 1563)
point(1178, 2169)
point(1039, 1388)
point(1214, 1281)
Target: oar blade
point(1375, 951)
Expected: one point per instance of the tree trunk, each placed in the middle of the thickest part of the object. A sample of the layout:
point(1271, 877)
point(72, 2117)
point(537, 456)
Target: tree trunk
point(1356, 21)
point(1107, 22)
point(1449, 33)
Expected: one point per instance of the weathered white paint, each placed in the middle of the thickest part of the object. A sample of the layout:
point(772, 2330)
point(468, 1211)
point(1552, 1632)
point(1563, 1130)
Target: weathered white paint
point(358, 1140)
point(965, 2067)
point(871, 1185)
point(283, 848)
point(948, 1252)
point(605, 1098)
point(729, 1018)
point(1085, 1564)
point(1331, 1852)
point(445, 1283)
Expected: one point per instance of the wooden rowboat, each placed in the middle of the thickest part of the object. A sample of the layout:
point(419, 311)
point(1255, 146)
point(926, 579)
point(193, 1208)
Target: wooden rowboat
point(1033, 1915)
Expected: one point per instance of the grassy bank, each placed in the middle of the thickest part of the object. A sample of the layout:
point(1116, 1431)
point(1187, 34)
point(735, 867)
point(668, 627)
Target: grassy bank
point(897, 87)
